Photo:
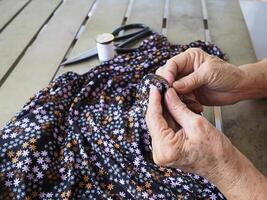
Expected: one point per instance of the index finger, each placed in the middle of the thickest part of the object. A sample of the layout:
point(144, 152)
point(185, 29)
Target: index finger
point(183, 64)
point(154, 116)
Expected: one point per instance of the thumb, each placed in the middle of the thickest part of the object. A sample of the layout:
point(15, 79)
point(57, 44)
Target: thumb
point(190, 82)
point(178, 109)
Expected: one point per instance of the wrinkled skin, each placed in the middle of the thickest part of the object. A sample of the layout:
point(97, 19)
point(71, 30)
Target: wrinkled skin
point(212, 80)
point(184, 139)
point(187, 147)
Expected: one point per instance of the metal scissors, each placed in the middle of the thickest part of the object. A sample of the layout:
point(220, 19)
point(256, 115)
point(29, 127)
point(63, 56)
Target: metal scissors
point(120, 47)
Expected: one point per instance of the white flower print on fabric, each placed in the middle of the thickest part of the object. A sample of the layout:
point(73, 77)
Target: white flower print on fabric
point(85, 136)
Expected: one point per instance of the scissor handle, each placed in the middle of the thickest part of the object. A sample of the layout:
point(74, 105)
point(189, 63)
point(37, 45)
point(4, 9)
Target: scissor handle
point(126, 27)
point(120, 48)
point(136, 37)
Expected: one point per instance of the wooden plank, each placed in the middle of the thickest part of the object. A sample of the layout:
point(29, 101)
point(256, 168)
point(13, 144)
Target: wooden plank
point(244, 123)
point(208, 113)
point(41, 60)
point(19, 34)
point(255, 16)
point(141, 12)
point(9, 9)
point(184, 25)
point(229, 31)
point(147, 12)
point(185, 21)
point(101, 21)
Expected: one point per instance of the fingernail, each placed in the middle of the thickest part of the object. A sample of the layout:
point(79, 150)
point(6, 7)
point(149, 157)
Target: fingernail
point(153, 88)
point(170, 77)
point(179, 85)
point(171, 93)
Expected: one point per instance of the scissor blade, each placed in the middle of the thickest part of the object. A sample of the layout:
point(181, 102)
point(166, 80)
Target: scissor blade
point(83, 56)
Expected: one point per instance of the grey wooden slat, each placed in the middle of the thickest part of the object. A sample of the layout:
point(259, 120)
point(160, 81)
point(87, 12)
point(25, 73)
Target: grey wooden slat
point(255, 16)
point(143, 11)
point(244, 123)
point(147, 12)
point(41, 60)
point(102, 20)
point(185, 21)
point(15, 38)
point(9, 9)
point(208, 113)
point(229, 31)
point(184, 25)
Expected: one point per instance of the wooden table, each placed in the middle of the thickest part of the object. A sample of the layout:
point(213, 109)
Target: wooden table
point(37, 35)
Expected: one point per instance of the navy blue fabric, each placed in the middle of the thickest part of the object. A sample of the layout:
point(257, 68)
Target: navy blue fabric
point(85, 136)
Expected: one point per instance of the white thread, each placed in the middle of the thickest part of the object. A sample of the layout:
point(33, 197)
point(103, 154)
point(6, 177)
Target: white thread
point(105, 47)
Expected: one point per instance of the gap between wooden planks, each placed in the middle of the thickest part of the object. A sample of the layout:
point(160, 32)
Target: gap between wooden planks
point(38, 65)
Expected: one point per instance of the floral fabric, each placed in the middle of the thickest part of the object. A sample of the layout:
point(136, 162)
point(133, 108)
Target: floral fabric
point(85, 136)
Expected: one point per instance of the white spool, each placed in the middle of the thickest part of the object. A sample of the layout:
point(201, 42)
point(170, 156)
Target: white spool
point(105, 47)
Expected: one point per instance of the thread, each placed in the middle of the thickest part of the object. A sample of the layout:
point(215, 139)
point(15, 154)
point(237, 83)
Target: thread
point(105, 47)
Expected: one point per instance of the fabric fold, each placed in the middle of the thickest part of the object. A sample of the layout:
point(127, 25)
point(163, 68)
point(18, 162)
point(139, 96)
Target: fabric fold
point(85, 136)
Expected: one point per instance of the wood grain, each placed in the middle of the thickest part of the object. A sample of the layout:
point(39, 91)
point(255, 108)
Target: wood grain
point(41, 60)
point(9, 9)
point(102, 21)
point(228, 30)
point(15, 39)
point(245, 123)
point(185, 21)
point(147, 12)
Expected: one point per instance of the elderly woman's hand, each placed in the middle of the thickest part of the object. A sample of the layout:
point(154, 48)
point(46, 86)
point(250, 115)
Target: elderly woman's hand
point(212, 80)
point(188, 141)
point(196, 146)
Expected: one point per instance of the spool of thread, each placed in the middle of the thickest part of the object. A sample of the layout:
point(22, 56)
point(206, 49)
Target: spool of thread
point(105, 47)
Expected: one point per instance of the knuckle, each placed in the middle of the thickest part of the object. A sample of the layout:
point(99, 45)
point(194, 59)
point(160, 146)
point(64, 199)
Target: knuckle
point(213, 62)
point(159, 71)
point(179, 106)
point(195, 55)
point(169, 62)
point(213, 68)
point(192, 81)
point(165, 131)
point(194, 50)
point(209, 68)
point(198, 121)
point(157, 161)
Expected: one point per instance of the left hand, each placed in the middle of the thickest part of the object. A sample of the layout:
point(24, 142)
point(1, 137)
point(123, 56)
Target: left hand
point(189, 142)
point(210, 79)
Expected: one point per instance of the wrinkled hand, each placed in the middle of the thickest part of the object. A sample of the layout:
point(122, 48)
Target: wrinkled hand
point(194, 146)
point(212, 80)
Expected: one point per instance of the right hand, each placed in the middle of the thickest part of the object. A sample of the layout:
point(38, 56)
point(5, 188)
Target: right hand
point(189, 142)
point(212, 80)
point(196, 146)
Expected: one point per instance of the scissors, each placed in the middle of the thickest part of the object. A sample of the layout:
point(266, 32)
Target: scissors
point(120, 47)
